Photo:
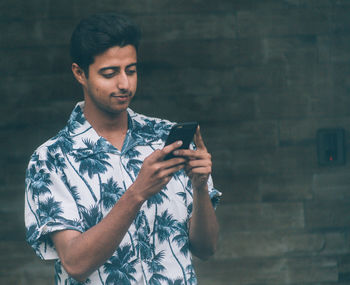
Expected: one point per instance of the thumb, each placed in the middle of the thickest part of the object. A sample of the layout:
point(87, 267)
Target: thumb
point(198, 140)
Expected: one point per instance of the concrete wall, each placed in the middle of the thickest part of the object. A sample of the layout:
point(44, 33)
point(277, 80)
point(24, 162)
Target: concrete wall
point(261, 76)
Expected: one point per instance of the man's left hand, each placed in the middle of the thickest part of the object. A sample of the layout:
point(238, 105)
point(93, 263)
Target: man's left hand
point(198, 165)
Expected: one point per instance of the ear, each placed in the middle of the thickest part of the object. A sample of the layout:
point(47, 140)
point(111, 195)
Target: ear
point(79, 74)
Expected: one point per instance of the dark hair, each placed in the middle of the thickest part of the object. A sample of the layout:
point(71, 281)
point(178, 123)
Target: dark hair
point(97, 33)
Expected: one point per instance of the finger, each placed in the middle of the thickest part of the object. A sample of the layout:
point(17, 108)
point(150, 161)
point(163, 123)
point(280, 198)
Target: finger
point(198, 140)
point(171, 170)
point(171, 147)
point(193, 154)
point(198, 170)
point(160, 154)
point(199, 163)
point(173, 162)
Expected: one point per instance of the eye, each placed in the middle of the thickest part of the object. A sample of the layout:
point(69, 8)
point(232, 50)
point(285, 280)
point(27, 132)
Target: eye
point(131, 71)
point(108, 75)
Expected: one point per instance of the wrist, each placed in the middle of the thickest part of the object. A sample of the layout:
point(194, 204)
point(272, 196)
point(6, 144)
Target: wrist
point(135, 195)
point(201, 188)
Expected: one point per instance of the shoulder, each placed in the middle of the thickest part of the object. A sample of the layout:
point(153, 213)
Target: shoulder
point(150, 126)
point(49, 147)
point(144, 119)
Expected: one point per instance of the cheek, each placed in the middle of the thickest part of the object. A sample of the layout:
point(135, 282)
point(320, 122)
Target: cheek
point(103, 87)
point(134, 82)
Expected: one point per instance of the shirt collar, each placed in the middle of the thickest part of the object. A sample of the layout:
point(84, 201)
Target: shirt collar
point(141, 131)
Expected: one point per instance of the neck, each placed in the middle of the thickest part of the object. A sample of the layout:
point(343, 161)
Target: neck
point(106, 124)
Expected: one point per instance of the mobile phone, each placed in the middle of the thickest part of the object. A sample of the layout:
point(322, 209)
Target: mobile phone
point(183, 132)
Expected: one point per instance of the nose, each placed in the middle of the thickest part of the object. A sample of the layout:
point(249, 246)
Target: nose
point(123, 81)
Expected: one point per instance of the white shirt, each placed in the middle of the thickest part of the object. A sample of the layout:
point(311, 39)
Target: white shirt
point(73, 181)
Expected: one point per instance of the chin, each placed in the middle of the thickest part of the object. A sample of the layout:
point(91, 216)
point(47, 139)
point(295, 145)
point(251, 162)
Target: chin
point(118, 111)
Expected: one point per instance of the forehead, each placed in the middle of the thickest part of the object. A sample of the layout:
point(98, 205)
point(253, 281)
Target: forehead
point(116, 56)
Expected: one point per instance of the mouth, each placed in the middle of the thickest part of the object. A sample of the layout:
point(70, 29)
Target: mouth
point(121, 96)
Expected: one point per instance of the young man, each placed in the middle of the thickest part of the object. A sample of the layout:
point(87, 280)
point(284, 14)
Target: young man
point(100, 198)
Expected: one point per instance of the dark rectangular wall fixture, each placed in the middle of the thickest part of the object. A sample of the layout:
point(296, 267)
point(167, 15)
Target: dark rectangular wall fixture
point(331, 147)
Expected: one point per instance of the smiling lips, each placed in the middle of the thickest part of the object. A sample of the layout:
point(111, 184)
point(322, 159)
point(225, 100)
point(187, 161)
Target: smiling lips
point(123, 97)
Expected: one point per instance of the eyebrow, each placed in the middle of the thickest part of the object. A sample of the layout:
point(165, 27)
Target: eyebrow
point(116, 67)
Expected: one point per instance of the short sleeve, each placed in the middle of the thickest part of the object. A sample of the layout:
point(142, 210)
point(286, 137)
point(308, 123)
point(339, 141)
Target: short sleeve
point(214, 194)
point(49, 205)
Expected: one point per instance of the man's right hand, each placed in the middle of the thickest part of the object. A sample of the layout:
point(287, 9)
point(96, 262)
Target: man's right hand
point(156, 172)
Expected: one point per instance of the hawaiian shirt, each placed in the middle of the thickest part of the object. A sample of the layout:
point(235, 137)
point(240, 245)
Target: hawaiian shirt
point(74, 179)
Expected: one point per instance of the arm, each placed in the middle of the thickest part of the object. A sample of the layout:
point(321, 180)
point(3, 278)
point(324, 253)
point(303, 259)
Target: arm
point(83, 253)
point(203, 226)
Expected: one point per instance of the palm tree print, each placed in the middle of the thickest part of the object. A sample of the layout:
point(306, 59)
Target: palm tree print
point(132, 153)
point(178, 281)
point(50, 209)
point(76, 120)
point(189, 187)
point(183, 196)
point(157, 278)
point(133, 165)
point(55, 162)
point(192, 280)
point(142, 239)
point(36, 159)
point(73, 190)
point(78, 166)
point(162, 129)
point(179, 176)
point(65, 143)
point(155, 267)
point(142, 132)
point(181, 238)
point(72, 281)
point(143, 245)
point(38, 181)
point(166, 227)
point(120, 268)
point(58, 270)
point(91, 216)
point(156, 200)
point(92, 159)
point(150, 129)
point(32, 236)
point(111, 193)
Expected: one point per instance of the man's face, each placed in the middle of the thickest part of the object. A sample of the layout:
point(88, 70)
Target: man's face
point(112, 80)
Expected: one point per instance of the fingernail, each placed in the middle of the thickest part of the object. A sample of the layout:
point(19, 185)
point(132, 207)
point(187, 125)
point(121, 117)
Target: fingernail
point(179, 142)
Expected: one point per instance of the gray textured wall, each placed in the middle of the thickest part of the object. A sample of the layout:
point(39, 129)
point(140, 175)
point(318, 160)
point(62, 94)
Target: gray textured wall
point(260, 75)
